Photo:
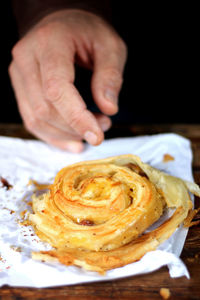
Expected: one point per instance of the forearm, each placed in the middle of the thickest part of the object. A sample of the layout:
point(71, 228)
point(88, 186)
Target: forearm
point(29, 12)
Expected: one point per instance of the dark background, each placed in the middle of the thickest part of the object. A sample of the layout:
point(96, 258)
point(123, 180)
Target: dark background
point(160, 82)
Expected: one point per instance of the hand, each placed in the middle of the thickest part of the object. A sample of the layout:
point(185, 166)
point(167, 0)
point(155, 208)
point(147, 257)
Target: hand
point(42, 74)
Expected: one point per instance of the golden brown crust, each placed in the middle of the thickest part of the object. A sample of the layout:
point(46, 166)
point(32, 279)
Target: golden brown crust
point(96, 211)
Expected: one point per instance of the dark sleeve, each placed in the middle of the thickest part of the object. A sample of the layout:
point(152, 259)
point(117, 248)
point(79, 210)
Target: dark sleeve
point(29, 12)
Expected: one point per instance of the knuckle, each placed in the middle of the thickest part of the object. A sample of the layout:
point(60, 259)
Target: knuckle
point(43, 32)
point(20, 53)
point(123, 48)
point(17, 50)
point(53, 90)
point(119, 46)
point(10, 69)
point(117, 41)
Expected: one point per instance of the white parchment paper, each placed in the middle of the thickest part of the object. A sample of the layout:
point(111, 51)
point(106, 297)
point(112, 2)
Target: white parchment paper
point(22, 160)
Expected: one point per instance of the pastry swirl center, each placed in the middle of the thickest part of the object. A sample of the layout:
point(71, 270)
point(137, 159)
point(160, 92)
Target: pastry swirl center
point(95, 195)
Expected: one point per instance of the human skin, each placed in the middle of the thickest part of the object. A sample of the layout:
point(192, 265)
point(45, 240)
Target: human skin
point(42, 73)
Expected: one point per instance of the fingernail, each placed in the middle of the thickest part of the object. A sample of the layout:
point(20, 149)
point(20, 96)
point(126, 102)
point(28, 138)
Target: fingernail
point(90, 137)
point(111, 96)
point(105, 124)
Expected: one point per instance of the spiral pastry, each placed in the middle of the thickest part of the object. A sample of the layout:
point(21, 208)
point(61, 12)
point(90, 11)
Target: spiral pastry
point(96, 212)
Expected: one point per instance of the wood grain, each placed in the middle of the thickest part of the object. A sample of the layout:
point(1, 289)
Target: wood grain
point(138, 287)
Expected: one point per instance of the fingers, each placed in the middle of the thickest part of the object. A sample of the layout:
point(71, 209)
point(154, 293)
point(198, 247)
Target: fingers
point(41, 129)
point(109, 62)
point(35, 113)
point(57, 75)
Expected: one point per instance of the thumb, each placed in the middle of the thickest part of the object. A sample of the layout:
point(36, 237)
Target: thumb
point(107, 79)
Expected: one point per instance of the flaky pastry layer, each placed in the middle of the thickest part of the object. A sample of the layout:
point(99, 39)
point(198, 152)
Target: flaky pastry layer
point(96, 212)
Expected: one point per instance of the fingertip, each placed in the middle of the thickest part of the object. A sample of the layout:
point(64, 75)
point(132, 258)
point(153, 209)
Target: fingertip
point(110, 107)
point(74, 146)
point(94, 138)
point(104, 122)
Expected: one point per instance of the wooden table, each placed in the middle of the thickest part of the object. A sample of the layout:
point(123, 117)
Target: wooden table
point(138, 287)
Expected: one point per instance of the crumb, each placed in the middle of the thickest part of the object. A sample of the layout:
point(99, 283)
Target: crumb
point(190, 259)
point(5, 183)
point(165, 293)
point(193, 259)
point(167, 157)
point(15, 248)
point(24, 223)
point(30, 203)
point(23, 213)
